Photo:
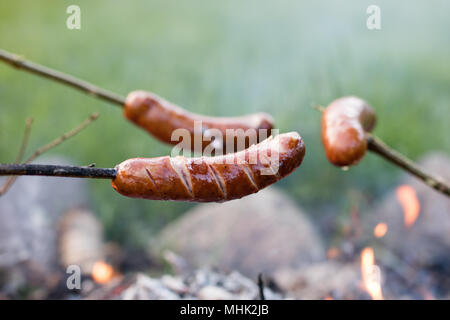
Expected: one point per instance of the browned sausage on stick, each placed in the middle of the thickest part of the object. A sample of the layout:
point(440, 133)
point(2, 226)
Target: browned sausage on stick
point(345, 124)
point(346, 135)
point(207, 179)
point(203, 179)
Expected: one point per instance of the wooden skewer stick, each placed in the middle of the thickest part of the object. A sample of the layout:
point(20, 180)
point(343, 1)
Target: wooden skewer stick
point(89, 88)
point(377, 146)
point(56, 171)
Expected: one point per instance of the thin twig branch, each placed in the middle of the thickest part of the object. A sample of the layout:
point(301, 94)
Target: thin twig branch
point(89, 88)
point(9, 182)
point(56, 171)
point(62, 138)
point(261, 287)
point(26, 135)
point(377, 146)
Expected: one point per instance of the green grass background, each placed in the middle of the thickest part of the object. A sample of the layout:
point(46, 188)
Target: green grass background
point(228, 58)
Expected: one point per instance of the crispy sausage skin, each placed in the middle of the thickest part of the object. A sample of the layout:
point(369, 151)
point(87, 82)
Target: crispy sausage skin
point(160, 118)
point(345, 123)
point(211, 179)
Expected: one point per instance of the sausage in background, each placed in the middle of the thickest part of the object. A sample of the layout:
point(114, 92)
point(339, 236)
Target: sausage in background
point(161, 118)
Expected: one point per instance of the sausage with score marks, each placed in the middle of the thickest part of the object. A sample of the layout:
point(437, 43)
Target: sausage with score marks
point(211, 179)
point(345, 124)
point(161, 118)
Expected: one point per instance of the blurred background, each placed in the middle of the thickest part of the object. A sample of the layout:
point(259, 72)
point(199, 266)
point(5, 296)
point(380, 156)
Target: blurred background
point(227, 59)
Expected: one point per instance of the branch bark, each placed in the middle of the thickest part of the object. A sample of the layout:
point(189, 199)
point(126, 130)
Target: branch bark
point(56, 171)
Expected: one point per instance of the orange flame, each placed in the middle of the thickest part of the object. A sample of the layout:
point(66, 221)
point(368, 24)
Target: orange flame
point(380, 230)
point(333, 253)
point(102, 272)
point(371, 274)
point(407, 197)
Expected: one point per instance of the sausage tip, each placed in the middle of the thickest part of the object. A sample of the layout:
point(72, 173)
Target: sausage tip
point(345, 123)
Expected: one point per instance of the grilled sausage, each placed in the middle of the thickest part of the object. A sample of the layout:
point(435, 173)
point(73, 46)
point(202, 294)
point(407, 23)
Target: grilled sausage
point(345, 123)
point(208, 179)
point(160, 118)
